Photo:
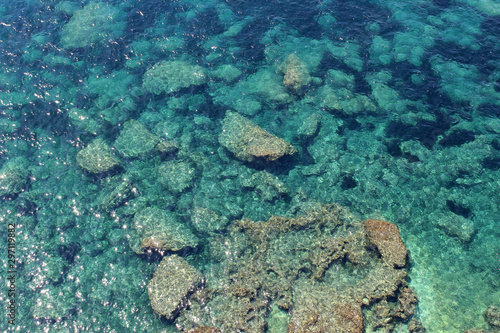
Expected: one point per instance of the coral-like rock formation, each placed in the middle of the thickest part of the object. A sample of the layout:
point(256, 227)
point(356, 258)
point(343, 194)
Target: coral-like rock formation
point(135, 139)
point(320, 309)
point(386, 238)
point(173, 281)
point(97, 157)
point(318, 267)
point(171, 76)
point(492, 315)
point(296, 73)
point(248, 142)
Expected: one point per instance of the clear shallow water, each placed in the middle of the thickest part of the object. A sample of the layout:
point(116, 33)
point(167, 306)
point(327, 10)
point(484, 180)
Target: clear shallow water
point(408, 97)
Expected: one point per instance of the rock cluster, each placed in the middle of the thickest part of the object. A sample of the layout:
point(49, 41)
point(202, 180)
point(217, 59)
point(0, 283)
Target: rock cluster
point(319, 267)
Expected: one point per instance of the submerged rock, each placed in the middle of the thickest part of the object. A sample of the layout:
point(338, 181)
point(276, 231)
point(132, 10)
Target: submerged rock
point(267, 185)
point(310, 125)
point(157, 230)
point(207, 221)
point(135, 139)
point(386, 238)
point(296, 73)
point(320, 309)
point(53, 305)
point(176, 175)
point(248, 142)
point(172, 283)
point(97, 157)
point(13, 176)
point(171, 76)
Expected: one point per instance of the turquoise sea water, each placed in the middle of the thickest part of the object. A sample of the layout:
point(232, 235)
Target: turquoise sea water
point(112, 122)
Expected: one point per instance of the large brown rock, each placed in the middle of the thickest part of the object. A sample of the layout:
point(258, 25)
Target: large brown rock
point(248, 142)
point(386, 238)
point(174, 280)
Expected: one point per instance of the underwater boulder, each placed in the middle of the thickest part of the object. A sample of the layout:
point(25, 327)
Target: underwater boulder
point(248, 142)
point(97, 157)
point(176, 176)
point(135, 139)
point(297, 74)
point(13, 176)
point(171, 76)
point(386, 238)
point(160, 231)
point(173, 281)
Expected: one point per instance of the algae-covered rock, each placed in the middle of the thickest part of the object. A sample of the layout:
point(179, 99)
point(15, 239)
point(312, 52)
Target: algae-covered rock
point(204, 329)
point(81, 119)
point(13, 176)
point(248, 142)
point(53, 304)
point(267, 185)
point(174, 280)
point(158, 230)
point(296, 73)
point(167, 146)
point(170, 76)
point(97, 157)
point(310, 125)
point(227, 73)
point(385, 237)
point(455, 225)
point(135, 139)
point(176, 175)
point(207, 221)
point(492, 315)
point(96, 22)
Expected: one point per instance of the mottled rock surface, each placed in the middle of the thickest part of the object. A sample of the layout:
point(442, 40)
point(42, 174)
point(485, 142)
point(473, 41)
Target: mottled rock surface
point(386, 238)
point(207, 221)
point(172, 282)
point(171, 76)
point(177, 176)
point(492, 315)
point(248, 142)
point(320, 309)
point(135, 139)
point(97, 157)
point(158, 230)
point(13, 176)
point(319, 268)
point(296, 73)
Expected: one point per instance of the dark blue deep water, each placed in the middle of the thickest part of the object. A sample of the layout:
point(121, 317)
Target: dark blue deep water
point(132, 132)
